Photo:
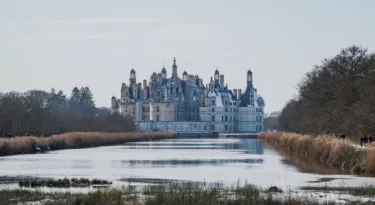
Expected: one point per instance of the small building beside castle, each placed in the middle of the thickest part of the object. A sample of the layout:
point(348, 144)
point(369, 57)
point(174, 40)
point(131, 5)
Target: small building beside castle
point(187, 105)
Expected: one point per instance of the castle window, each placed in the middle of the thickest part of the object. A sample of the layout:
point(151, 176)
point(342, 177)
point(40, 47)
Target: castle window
point(226, 102)
point(157, 109)
point(205, 127)
point(222, 118)
point(226, 127)
point(226, 109)
point(230, 118)
point(193, 109)
point(157, 118)
point(213, 109)
point(213, 102)
point(197, 117)
point(230, 109)
point(212, 127)
point(213, 118)
point(226, 118)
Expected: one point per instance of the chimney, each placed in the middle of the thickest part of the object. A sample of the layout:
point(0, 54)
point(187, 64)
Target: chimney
point(239, 93)
point(222, 81)
point(235, 93)
point(144, 84)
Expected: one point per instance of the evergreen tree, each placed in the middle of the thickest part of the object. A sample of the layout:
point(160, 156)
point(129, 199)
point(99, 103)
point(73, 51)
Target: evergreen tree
point(74, 101)
point(87, 101)
point(76, 95)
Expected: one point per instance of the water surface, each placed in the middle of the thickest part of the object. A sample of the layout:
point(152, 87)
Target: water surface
point(226, 161)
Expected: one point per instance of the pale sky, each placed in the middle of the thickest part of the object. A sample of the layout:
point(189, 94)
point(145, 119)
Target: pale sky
point(95, 43)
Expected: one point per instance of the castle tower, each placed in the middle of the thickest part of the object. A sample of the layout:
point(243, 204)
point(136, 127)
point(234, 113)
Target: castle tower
point(174, 67)
point(114, 106)
point(145, 89)
point(124, 91)
point(249, 78)
point(221, 81)
point(113, 102)
point(217, 79)
point(184, 76)
point(133, 79)
point(163, 73)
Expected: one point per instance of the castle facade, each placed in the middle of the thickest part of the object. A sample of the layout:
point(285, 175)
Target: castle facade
point(187, 105)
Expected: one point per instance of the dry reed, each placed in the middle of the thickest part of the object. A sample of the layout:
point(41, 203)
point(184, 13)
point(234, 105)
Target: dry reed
point(324, 149)
point(29, 144)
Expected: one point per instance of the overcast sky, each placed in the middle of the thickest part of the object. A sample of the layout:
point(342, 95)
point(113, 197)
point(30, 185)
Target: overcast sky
point(95, 43)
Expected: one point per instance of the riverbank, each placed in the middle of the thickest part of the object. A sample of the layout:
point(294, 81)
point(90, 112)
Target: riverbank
point(185, 193)
point(72, 140)
point(324, 149)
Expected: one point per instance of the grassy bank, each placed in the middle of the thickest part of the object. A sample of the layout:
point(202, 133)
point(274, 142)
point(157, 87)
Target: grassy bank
point(31, 144)
point(324, 149)
point(176, 194)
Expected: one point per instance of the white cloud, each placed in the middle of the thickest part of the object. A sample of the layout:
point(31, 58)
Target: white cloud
point(98, 20)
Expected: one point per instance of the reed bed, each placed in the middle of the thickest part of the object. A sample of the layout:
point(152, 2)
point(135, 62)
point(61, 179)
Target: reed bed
point(172, 194)
point(32, 144)
point(325, 149)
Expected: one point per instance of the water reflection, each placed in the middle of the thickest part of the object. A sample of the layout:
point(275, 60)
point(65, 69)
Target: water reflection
point(247, 146)
point(181, 162)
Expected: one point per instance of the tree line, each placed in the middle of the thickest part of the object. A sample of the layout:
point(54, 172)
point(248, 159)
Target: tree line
point(41, 113)
point(337, 96)
point(271, 121)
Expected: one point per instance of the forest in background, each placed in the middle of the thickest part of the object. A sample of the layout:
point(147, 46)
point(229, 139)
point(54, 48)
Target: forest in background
point(337, 96)
point(41, 113)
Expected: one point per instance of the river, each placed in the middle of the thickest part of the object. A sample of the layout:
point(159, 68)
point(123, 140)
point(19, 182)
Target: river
point(226, 161)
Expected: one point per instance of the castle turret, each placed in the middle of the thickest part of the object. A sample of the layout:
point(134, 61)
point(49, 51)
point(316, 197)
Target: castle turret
point(249, 78)
point(133, 79)
point(113, 102)
point(217, 79)
point(184, 76)
point(163, 73)
point(222, 81)
point(114, 106)
point(124, 91)
point(174, 67)
point(235, 93)
point(145, 89)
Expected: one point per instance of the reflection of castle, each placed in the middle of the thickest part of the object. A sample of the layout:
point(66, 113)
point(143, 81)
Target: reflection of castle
point(186, 105)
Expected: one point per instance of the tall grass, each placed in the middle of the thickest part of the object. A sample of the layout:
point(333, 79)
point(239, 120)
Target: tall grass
point(324, 149)
point(173, 194)
point(29, 144)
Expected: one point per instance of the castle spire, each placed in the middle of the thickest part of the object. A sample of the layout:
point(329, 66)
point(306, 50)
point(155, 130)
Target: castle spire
point(174, 73)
